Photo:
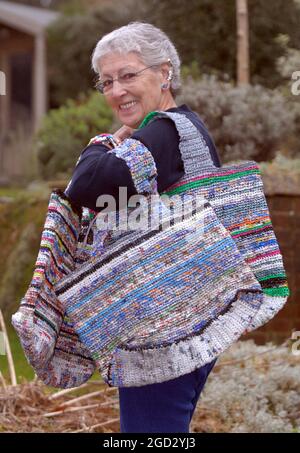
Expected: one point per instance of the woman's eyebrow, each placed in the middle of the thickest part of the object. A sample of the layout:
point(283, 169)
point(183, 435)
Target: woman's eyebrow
point(121, 70)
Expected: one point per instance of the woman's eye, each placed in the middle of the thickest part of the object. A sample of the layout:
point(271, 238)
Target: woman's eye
point(128, 76)
point(106, 83)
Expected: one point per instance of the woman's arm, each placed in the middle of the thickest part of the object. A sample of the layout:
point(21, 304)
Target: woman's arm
point(99, 173)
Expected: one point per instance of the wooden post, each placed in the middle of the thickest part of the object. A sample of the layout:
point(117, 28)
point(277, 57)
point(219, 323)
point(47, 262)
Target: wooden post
point(5, 100)
point(11, 364)
point(39, 80)
point(5, 104)
point(242, 42)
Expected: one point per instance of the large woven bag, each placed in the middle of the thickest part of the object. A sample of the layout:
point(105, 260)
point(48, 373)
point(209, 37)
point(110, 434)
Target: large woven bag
point(160, 302)
point(50, 343)
point(236, 194)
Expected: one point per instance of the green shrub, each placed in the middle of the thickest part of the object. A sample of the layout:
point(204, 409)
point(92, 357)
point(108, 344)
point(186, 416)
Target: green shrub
point(205, 31)
point(248, 122)
point(67, 130)
point(71, 40)
point(281, 175)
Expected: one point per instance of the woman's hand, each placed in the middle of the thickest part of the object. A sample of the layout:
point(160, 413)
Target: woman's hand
point(123, 133)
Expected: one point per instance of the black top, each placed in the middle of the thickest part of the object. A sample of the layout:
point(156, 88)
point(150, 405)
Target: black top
point(99, 173)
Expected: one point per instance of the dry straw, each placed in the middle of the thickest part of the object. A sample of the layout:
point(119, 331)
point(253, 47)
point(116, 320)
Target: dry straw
point(94, 407)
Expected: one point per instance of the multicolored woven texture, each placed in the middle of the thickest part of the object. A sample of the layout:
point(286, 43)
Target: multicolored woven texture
point(237, 197)
point(47, 336)
point(161, 302)
point(150, 304)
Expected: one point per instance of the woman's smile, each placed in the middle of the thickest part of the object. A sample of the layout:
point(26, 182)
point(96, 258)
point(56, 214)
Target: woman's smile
point(128, 106)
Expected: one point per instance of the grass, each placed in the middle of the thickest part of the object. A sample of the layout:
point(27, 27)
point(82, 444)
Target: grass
point(23, 369)
point(19, 250)
point(13, 192)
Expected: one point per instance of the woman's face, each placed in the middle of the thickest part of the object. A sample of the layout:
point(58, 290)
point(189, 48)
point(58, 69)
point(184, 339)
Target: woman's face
point(132, 101)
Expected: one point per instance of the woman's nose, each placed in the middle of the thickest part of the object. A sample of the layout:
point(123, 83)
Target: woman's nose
point(117, 89)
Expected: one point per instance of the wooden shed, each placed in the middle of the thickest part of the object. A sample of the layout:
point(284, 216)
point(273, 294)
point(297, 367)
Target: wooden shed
point(23, 64)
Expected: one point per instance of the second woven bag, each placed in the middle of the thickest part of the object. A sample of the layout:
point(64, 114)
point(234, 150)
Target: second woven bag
point(237, 196)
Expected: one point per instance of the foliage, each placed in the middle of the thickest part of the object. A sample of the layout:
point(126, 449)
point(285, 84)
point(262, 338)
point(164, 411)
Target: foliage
point(268, 20)
point(289, 61)
point(288, 64)
point(19, 155)
point(248, 122)
point(71, 40)
point(64, 5)
point(67, 130)
point(284, 164)
point(281, 175)
point(205, 31)
point(191, 70)
point(21, 221)
point(256, 390)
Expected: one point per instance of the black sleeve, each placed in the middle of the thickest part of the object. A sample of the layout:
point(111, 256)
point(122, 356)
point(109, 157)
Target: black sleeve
point(99, 173)
point(161, 138)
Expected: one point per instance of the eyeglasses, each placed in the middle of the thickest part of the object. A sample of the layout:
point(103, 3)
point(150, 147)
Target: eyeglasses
point(126, 79)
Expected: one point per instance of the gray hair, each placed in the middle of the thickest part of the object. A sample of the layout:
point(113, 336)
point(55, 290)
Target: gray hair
point(150, 43)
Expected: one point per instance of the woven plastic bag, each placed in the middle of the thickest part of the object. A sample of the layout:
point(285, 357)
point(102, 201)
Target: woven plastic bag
point(160, 302)
point(50, 343)
point(236, 194)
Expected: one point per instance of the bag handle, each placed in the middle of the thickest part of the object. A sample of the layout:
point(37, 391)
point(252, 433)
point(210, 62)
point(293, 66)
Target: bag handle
point(192, 146)
point(141, 164)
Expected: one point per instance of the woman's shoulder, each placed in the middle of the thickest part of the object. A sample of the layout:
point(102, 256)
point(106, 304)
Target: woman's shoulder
point(161, 138)
point(157, 132)
point(163, 129)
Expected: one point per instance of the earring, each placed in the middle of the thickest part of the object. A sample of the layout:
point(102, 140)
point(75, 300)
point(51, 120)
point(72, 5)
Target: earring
point(164, 86)
point(170, 75)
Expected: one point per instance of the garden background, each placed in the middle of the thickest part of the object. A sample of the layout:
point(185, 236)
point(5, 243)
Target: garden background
point(250, 103)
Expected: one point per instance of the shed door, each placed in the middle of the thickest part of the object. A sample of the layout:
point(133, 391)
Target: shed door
point(21, 95)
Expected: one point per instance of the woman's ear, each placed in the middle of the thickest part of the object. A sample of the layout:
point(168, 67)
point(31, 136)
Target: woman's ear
point(167, 72)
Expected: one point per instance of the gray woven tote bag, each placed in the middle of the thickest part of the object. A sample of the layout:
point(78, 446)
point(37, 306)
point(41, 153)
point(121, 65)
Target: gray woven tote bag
point(236, 194)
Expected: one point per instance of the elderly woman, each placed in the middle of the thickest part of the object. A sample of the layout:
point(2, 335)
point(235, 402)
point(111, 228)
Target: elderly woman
point(139, 72)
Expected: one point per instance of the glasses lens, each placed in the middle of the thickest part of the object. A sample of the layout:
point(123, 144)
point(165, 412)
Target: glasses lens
point(125, 79)
point(99, 87)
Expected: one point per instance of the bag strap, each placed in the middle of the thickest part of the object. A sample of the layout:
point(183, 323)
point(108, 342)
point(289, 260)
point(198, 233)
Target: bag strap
point(140, 163)
point(194, 151)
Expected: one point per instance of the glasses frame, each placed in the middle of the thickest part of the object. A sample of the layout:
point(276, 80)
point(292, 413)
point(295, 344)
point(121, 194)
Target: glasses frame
point(99, 84)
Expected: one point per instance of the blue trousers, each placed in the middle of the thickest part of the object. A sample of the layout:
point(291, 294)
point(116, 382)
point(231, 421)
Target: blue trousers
point(166, 407)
